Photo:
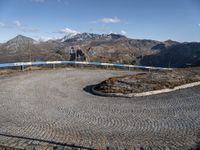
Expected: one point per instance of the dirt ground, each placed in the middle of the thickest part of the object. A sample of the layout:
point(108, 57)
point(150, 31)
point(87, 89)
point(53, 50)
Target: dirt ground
point(149, 81)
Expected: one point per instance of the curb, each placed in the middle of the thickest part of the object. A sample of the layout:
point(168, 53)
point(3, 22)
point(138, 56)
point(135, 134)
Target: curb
point(149, 93)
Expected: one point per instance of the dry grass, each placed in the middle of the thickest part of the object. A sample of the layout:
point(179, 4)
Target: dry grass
point(7, 71)
point(149, 81)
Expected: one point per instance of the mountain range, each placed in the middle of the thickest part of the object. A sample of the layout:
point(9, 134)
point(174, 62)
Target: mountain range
point(111, 48)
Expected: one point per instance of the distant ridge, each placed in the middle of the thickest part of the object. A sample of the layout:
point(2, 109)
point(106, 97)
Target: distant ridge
point(111, 48)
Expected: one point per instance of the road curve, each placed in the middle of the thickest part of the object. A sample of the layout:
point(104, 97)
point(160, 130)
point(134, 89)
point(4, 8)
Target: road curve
point(55, 105)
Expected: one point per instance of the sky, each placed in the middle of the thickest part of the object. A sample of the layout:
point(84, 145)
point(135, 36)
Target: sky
point(139, 19)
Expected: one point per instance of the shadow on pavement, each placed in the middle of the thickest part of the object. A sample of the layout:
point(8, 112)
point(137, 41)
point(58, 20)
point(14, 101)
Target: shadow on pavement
point(88, 89)
point(46, 141)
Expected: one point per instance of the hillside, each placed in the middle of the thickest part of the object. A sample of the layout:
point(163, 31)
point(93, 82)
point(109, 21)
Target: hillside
point(23, 48)
point(180, 55)
point(103, 48)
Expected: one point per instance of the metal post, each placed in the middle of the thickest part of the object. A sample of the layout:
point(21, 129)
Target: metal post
point(22, 68)
point(54, 66)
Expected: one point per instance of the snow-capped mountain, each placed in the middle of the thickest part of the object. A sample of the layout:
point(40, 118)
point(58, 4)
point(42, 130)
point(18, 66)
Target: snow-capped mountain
point(90, 36)
point(79, 37)
point(67, 37)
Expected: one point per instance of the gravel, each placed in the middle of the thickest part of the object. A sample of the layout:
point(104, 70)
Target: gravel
point(56, 105)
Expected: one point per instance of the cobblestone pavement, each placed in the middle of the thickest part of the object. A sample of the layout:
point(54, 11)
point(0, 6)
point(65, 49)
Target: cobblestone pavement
point(56, 106)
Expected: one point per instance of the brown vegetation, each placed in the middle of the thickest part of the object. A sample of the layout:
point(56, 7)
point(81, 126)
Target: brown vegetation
point(149, 81)
point(7, 71)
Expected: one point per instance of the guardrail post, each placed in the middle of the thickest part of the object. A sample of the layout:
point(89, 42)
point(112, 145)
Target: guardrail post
point(22, 68)
point(54, 66)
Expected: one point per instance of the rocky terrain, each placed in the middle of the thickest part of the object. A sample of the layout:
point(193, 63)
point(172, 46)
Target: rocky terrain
point(103, 48)
point(178, 55)
point(149, 81)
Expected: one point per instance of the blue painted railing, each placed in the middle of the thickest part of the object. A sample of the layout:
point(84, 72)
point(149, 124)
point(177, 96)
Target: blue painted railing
point(22, 64)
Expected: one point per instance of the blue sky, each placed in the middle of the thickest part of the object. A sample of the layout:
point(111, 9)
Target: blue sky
point(143, 19)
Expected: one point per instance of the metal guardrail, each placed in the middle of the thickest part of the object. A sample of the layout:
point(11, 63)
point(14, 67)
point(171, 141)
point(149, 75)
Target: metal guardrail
point(22, 64)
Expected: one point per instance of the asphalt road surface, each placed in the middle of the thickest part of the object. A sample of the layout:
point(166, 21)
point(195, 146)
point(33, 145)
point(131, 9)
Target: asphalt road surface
point(56, 105)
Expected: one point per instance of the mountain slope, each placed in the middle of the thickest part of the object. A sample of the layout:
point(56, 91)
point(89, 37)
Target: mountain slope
point(180, 55)
point(21, 48)
point(111, 48)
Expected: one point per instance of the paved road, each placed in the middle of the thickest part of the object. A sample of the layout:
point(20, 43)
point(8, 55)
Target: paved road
point(53, 105)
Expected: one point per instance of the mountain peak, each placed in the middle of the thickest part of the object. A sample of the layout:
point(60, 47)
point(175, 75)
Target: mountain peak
point(19, 36)
point(20, 39)
point(170, 43)
point(79, 37)
point(91, 36)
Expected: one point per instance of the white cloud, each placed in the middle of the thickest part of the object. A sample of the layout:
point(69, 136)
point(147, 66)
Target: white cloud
point(123, 32)
point(108, 20)
point(17, 25)
point(68, 31)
